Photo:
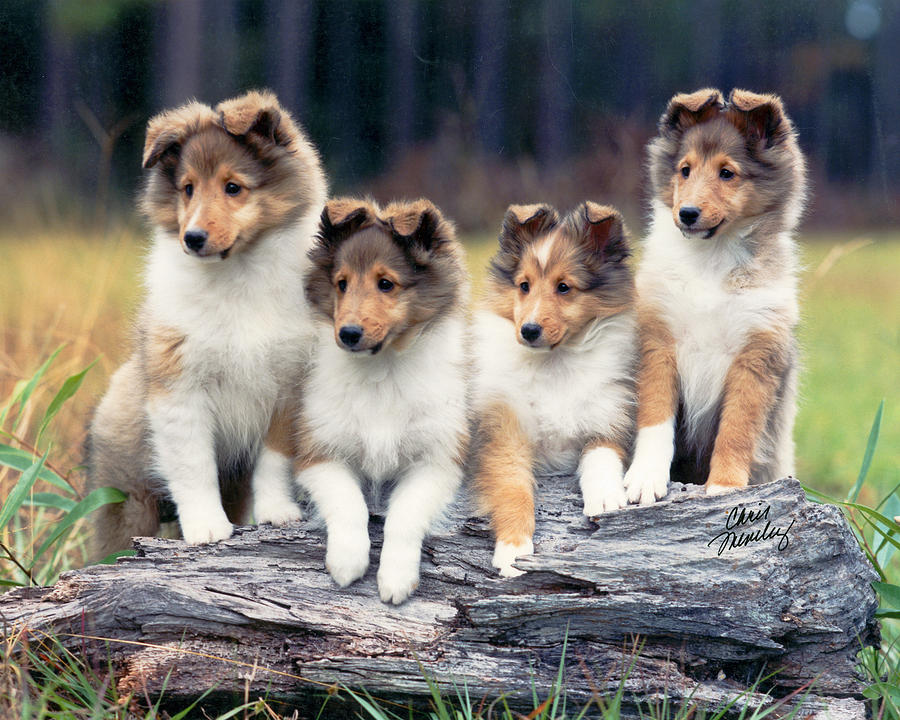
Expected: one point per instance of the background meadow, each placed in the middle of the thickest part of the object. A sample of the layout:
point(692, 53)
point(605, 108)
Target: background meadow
point(475, 104)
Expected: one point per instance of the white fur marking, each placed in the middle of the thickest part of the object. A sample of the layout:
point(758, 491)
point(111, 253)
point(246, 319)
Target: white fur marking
point(272, 501)
point(505, 555)
point(600, 473)
point(647, 479)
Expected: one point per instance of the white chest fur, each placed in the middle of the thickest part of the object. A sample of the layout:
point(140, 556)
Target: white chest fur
point(691, 282)
point(381, 413)
point(245, 323)
point(563, 397)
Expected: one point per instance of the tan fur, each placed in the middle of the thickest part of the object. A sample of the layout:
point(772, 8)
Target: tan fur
point(503, 479)
point(172, 127)
point(750, 388)
point(658, 374)
point(280, 437)
point(163, 359)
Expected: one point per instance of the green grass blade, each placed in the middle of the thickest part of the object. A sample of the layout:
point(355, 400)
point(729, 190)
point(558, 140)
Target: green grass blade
point(20, 492)
point(97, 498)
point(20, 460)
point(68, 389)
point(25, 394)
point(889, 593)
point(51, 500)
point(867, 458)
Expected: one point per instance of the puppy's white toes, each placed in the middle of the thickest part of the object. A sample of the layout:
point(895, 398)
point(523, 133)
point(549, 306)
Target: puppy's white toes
point(506, 553)
point(398, 572)
point(645, 483)
point(198, 529)
point(720, 489)
point(601, 482)
point(347, 556)
point(279, 514)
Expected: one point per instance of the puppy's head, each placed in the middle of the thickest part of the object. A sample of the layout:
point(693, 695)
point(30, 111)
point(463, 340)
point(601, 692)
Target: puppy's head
point(379, 275)
point(716, 163)
point(220, 178)
point(554, 278)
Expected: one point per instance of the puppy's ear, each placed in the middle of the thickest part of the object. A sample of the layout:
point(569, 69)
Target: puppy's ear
point(257, 115)
point(688, 109)
point(604, 232)
point(760, 117)
point(418, 223)
point(523, 223)
point(342, 217)
point(167, 131)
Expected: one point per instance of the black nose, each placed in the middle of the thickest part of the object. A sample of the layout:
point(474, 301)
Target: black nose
point(350, 335)
point(531, 331)
point(689, 214)
point(195, 239)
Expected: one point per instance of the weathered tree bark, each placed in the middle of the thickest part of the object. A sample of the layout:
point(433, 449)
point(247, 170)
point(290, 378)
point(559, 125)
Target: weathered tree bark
point(708, 612)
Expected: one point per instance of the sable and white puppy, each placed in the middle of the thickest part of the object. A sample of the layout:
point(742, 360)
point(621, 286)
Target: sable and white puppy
point(556, 350)
point(718, 296)
point(385, 399)
point(233, 194)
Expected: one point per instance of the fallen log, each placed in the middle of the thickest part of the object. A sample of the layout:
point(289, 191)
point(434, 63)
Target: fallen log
point(694, 598)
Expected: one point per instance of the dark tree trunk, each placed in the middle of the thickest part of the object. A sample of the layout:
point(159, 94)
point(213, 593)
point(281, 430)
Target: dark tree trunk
point(289, 28)
point(555, 102)
point(707, 621)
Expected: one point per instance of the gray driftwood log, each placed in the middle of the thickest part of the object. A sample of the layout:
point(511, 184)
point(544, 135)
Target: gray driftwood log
point(710, 612)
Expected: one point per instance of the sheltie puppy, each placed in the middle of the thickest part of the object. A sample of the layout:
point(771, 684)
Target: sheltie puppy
point(233, 194)
point(717, 294)
point(556, 350)
point(384, 405)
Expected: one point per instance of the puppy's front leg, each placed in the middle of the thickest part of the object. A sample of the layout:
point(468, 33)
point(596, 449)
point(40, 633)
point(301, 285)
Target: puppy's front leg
point(336, 492)
point(505, 484)
point(647, 479)
point(600, 477)
point(750, 387)
point(416, 503)
point(184, 454)
point(272, 498)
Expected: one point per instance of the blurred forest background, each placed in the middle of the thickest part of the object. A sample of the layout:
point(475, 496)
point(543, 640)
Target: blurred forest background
point(473, 103)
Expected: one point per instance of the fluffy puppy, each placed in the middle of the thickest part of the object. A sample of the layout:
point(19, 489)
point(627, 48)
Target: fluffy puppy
point(718, 296)
point(555, 349)
point(233, 194)
point(384, 404)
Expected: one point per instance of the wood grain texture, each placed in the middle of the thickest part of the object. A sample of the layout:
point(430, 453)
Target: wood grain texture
point(707, 624)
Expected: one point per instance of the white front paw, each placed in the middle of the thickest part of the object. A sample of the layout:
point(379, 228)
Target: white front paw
point(347, 556)
point(601, 482)
point(646, 481)
point(207, 527)
point(398, 572)
point(283, 512)
point(506, 553)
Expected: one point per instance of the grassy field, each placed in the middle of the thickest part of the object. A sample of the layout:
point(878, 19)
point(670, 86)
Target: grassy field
point(64, 287)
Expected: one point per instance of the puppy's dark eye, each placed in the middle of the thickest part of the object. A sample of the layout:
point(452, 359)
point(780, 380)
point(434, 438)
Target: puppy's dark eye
point(232, 188)
point(726, 174)
point(385, 285)
point(524, 287)
point(342, 285)
point(189, 190)
point(562, 288)
point(685, 171)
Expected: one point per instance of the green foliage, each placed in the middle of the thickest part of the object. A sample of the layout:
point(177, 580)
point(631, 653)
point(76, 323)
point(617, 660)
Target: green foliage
point(35, 526)
point(877, 531)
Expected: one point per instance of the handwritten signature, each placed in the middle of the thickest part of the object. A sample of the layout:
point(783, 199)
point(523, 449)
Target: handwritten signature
point(744, 526)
